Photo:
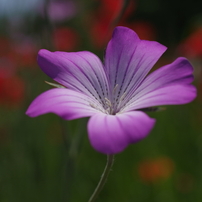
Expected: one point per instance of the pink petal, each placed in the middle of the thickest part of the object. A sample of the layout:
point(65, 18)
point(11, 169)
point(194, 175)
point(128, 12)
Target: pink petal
point(79, 71)
point(168, 95)
point(168, 85)
point(128, 60)
point(110, 134)
point(63, 102)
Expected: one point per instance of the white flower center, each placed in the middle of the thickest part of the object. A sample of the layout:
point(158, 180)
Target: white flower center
point(109, 106)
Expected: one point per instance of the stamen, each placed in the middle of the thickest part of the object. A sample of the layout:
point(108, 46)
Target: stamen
point(97, 107)
point(119, 103)
point(115, 88)
point(122, 97)
point(108, 102)
point(92, 105)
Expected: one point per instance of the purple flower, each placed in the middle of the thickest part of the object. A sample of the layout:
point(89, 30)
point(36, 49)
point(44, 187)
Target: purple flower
point(59, 10)
point(113, 94)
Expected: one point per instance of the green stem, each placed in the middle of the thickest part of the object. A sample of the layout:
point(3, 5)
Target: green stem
point(103, 179)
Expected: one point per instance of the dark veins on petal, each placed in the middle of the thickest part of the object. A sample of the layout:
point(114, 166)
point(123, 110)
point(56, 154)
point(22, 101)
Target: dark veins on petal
point(85, 85)
point(100, 83)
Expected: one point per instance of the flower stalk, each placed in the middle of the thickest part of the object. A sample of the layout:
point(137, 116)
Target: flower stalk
point(103, 179)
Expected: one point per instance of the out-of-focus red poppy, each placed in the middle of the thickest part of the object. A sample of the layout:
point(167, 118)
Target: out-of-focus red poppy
point(104, 17)
point(12, 89)
point(65, 39)
point(154, 170)
point(22, 53)
point(192, 45)
point(100, 34)
point(11, 86)
point(110, 9)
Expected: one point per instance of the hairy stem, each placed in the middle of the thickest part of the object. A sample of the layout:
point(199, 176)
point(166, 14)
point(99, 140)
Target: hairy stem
point(103, 179)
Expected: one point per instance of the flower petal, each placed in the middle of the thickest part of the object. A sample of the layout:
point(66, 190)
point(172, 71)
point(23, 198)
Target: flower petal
point(112, 134)
point(65, 103)
point(168, 85)
point(79, 71)
point(128, 60)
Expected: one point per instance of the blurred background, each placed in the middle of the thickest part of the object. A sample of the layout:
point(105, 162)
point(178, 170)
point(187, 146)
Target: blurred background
point(49, 159)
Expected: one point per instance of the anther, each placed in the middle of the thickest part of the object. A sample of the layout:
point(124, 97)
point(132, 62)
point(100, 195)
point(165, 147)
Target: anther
point(92, 105)
point(108, 102)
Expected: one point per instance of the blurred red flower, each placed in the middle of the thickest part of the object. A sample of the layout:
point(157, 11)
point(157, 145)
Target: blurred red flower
point(104, 17)
point(102, 25)
point(192, 45)
point(153, 170)
point(65, 39)
point(12, 87)
point(21, 52)
point(12, 90)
